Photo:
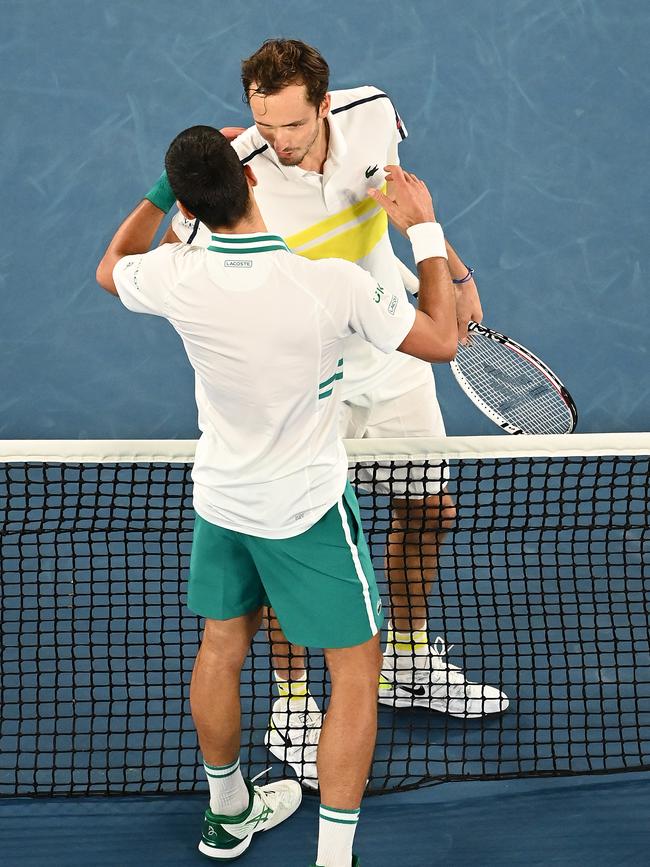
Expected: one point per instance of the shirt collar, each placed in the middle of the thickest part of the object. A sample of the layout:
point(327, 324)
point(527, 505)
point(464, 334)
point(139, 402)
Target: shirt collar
point(256, 242)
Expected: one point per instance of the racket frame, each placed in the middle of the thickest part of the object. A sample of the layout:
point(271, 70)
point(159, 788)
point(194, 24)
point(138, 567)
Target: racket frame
point(528, 356)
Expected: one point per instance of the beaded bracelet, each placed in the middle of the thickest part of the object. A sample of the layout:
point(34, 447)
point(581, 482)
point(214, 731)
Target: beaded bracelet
point(466, 278)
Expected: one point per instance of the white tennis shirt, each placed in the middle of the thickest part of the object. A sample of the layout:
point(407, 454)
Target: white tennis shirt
point(331, 215)
point(263, 330)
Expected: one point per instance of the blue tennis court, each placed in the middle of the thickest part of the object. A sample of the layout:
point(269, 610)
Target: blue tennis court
point(535, 822)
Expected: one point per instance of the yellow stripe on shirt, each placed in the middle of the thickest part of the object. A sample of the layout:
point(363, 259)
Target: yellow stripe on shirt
point(352, 244)
point(354, 212)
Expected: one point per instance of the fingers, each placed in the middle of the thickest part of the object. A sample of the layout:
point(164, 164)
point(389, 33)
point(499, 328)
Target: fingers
point(463, 336)
point(231, 132)
point(397, 175)
point(382, 199)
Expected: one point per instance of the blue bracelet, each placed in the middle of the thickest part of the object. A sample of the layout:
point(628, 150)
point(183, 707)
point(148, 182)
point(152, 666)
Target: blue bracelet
point(466, 278)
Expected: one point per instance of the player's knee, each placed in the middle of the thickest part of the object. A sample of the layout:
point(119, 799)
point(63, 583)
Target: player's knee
point(357, 667)
point(226, 653)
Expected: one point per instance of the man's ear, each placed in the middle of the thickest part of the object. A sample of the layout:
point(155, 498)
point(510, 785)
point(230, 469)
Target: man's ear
point(187, 214)
point(324, 107)
point(250, 176)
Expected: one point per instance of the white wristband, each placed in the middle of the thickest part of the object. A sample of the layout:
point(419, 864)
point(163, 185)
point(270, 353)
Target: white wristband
point(427, 240)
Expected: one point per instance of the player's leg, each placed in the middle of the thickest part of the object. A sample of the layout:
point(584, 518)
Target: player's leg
point(225, 588)
point(296, 718)
point(326, 596)
point(288, 660)
point(215, 688)
point(417, 530)
point(416, 671)
point(346, 747)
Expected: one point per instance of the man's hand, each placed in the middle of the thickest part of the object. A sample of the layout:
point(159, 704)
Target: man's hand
point(231, 132)
point(468, 307)
point(408, 201)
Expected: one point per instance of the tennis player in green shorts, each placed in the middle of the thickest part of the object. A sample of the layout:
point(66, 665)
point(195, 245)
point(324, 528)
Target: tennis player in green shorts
point(276, 520)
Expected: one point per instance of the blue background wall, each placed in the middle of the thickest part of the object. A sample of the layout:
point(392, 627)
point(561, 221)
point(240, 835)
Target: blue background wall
point(529, 120)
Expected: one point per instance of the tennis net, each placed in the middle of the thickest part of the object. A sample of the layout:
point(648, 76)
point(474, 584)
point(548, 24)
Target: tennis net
point(543, 590)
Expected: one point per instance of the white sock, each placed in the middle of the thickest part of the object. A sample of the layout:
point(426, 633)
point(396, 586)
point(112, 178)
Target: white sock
point(292, 688)
point(335, 835)
point(228, 793)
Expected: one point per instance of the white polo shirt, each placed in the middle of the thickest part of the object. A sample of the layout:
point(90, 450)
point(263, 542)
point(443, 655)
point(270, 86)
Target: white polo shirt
point(263, 330)
point(331, 215)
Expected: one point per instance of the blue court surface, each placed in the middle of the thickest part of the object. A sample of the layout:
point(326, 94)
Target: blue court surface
point(600, 821)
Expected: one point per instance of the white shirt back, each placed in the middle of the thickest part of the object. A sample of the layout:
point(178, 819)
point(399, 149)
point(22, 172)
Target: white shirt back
point(262, 329)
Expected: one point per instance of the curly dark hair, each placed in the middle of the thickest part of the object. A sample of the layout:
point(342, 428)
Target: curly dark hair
point(279, 62)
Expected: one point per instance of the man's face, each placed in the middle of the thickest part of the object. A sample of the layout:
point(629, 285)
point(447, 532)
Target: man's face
point(289, 123)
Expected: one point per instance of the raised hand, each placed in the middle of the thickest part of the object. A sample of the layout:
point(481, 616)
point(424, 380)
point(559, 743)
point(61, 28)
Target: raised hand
point(408, 201)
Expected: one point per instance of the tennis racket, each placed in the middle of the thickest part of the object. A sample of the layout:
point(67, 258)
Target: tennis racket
point(512, 386)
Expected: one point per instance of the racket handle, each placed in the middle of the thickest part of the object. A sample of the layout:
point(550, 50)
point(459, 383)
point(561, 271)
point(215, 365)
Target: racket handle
point(410, 280)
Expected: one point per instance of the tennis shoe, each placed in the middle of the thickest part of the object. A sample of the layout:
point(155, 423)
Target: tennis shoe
point(424, 678)
point(293, 733)
point(228, 837)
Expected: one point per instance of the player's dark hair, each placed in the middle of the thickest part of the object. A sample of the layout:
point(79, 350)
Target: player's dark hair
point(280, 62)
point(206, 175)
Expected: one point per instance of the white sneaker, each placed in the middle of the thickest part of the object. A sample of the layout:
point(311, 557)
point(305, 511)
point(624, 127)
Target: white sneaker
point(425, 679)
point(227, 837)
point(293, 733)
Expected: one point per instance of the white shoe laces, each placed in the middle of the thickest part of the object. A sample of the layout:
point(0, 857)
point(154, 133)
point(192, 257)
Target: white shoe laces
point(436, 657)
point(440, 647)
point(267, 796)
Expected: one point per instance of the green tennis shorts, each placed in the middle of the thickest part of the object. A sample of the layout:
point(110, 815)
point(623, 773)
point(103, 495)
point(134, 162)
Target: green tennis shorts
point(321, 584)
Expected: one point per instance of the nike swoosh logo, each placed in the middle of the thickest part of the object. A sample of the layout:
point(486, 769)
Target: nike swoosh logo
point(412, 690)
point(370, 171)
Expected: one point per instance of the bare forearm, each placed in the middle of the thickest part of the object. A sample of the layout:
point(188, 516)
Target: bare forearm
point(436, 299)
point(457, 267)
point(135, 235)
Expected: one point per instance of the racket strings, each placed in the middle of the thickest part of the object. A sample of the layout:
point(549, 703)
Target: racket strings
point(511, 387)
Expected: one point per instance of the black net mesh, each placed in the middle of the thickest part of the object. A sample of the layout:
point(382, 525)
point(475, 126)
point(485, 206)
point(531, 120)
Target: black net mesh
point(543, 590)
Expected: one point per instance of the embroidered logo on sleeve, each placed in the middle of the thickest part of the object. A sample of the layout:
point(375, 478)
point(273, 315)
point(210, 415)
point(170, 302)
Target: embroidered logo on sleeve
point(392, 305)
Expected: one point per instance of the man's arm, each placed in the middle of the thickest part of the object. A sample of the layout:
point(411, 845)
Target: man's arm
point(468, 303)
point(170, 237)
point(434, 335)
point(135, 235)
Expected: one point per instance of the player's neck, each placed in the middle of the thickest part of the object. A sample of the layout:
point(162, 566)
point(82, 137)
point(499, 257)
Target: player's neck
point(251, 224)
point(316, 156)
